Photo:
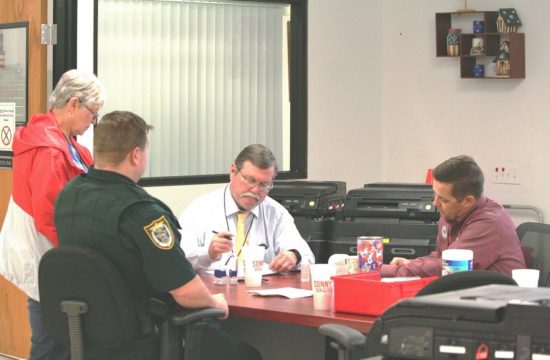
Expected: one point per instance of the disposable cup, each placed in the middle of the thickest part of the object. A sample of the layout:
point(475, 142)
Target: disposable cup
point(253, 263)
point(456, 260)
point(322, 285)
point(526, 277)
point(305, 272)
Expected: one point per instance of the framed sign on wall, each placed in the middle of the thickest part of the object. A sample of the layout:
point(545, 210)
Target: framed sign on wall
point(13, 85)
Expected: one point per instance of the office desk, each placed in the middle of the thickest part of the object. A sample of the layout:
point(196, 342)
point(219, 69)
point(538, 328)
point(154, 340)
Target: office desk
point(281, 309)
point(279, 327)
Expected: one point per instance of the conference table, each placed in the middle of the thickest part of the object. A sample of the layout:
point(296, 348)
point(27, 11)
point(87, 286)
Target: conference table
point(271, 323)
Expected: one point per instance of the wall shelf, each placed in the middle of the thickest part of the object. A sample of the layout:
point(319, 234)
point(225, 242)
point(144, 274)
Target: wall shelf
point(492, 40)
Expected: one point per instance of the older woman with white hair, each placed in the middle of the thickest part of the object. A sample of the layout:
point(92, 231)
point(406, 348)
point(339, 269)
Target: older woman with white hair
point(46, 157)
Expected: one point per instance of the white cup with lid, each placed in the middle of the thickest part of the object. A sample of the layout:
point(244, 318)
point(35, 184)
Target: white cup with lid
point(456, 260)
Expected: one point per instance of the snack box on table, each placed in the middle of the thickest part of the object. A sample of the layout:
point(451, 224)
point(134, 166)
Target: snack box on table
point(365, 293)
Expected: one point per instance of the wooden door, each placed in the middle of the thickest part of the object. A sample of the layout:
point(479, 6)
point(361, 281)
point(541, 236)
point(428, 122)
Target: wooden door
point(14, 326)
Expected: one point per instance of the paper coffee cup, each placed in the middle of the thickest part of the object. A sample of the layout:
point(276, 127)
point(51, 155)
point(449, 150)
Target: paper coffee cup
point(322, 286)
point(253, 264)
point(526, 277)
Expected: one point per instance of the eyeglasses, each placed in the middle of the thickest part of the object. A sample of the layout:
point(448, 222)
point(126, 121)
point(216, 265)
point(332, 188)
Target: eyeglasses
point(263, 187)
point(95, 115)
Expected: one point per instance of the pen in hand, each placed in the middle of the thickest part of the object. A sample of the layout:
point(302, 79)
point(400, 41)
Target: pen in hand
point(229, 237)
point(225, 236)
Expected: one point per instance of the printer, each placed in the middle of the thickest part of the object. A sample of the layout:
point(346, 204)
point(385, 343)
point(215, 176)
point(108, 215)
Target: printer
point(314, 206)
point(402, 213)
point(486, 322)
point(309, 198)
point(391, 202)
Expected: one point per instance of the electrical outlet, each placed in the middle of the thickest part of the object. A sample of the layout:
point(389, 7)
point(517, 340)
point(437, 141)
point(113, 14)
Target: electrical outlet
point(505, 175)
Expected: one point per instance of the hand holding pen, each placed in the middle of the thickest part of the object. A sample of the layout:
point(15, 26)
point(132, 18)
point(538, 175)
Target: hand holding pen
point(221, 243)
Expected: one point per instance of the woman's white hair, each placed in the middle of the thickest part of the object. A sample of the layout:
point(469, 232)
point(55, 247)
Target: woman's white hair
point(82, 85)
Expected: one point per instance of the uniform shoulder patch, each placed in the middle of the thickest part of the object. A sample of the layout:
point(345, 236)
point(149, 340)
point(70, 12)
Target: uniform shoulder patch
point(161, 234)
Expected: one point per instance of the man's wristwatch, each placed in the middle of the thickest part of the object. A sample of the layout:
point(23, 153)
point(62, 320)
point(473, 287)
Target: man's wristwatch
point(298, 256)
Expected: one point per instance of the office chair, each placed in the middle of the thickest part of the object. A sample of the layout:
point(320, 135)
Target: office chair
point(535, 244)
point(349, 342)
point(87, 304)
point(465, 280)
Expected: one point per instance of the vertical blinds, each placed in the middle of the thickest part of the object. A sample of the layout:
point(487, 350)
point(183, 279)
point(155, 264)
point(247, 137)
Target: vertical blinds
point(208, 76)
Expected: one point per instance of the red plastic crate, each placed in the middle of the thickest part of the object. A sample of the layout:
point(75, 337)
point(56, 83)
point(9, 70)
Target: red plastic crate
point(364, 293)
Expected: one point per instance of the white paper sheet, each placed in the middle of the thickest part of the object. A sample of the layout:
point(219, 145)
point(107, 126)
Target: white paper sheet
point(289, 292)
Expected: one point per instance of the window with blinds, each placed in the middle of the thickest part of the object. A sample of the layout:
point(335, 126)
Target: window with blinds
point(211, 77)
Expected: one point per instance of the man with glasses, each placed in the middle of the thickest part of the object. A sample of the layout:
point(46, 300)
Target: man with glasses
point(210, 223)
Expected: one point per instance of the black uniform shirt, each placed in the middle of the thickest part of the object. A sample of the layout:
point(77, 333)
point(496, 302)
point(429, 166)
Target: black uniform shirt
point(109, 212)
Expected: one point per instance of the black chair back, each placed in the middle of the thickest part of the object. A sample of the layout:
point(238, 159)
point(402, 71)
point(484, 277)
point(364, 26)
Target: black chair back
point(535, 244)
point(464, 280)
point(84, 280)
point(87, 303)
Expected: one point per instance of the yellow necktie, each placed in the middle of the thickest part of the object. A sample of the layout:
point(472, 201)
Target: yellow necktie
point(241, 237)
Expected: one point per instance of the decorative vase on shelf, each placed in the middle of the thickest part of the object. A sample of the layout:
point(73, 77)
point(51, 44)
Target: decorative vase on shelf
point(453, 42)
point(479, 70)
point(479, 27)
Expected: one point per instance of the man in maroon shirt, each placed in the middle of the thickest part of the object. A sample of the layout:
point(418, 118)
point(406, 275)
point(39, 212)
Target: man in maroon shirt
point(469, 220)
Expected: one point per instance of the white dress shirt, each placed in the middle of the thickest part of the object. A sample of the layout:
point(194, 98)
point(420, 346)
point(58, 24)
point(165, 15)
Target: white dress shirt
point(269, 224)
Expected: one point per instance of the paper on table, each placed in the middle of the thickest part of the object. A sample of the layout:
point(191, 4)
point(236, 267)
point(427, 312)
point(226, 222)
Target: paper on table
point(289, 292)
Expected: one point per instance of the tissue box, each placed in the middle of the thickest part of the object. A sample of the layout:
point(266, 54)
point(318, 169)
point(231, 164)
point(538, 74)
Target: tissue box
point(364, 293)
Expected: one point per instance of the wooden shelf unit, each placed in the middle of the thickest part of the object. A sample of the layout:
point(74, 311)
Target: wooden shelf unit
point(491, 38)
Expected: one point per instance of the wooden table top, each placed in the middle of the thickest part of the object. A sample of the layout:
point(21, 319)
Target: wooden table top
point(281, 309)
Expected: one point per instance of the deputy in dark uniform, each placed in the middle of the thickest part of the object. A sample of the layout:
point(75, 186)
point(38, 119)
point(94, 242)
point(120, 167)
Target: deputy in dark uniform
point(106, 210)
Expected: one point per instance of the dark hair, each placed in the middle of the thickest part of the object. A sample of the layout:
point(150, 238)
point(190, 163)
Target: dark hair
point(259, 155)
point(463, 173)
point(118, 133)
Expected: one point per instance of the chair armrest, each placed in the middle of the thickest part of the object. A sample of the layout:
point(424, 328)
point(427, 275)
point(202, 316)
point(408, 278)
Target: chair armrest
point(344, 335)
point(191, 321)
point(180, 317)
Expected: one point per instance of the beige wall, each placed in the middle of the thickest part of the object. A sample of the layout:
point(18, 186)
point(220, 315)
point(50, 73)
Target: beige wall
point(382, 107)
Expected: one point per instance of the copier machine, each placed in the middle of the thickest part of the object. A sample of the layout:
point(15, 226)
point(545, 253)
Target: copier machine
point(486, 322)
point(314, 205)
point(402, 213)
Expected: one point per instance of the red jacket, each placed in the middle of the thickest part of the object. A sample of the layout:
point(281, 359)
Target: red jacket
point(42, 165)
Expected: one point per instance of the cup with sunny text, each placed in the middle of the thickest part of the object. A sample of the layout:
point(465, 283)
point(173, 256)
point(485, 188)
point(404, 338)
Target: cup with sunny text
point(526, 277)
point(322, 285)
point(253, 263)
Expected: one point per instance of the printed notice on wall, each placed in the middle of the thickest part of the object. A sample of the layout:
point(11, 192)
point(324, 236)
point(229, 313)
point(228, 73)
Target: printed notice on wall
point(7, 131)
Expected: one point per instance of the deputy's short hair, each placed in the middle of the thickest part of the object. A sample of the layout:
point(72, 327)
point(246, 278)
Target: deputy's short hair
point(118, 133)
